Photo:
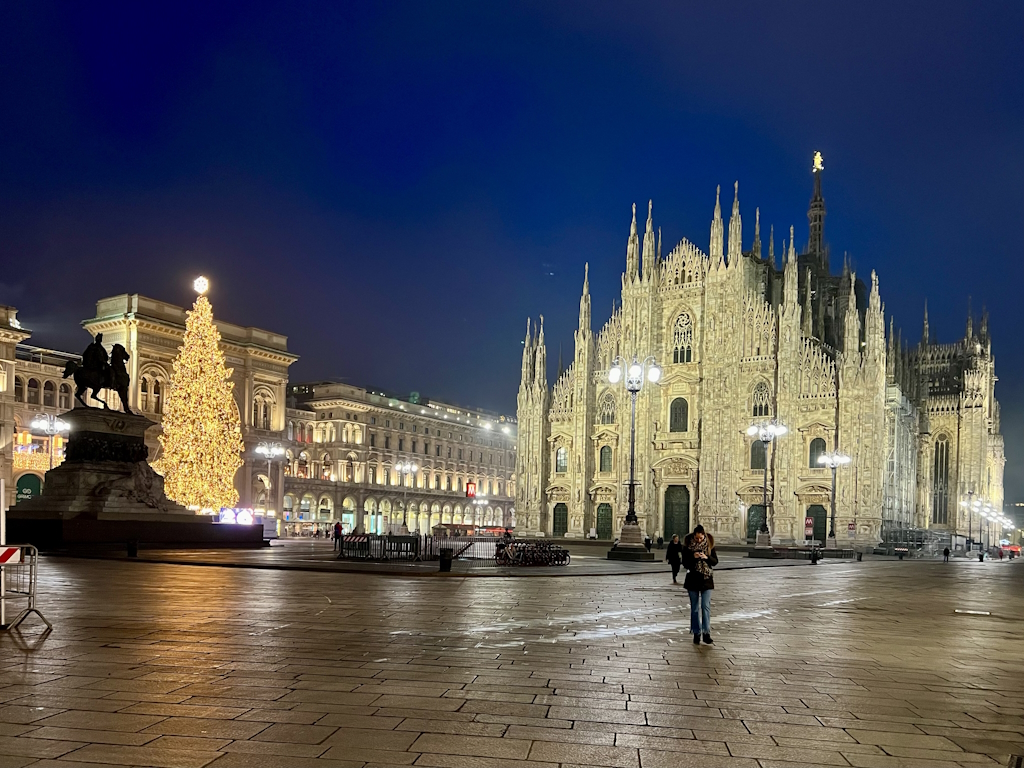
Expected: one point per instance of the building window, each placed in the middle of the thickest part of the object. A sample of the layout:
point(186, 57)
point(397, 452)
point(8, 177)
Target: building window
point(144, 394)
point(817, 449)
point(19, 389)
point(679, 415)
point(267, 414)
point(64, 397)
point(437, 482)
point(371, 474)
point(561, 460)
point(448, 483)
point(758, 456)
point(49, 394)
point(387, 476)
point(449, 451)
point(373, 419)
point(426, 448)
point(373, 439)
point(401, 443)
point(387, 423)
point(387, 442)
point(437, 451)
point(940, 482)
point(682, 339)
point(158, 403)
point(606, 458)
point(413, 446)
point(762, 400)
point(33, 391)
point(607, 409)
point(401, 425)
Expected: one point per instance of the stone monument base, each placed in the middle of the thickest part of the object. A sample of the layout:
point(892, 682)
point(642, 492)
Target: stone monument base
point(105, 492)
point(631, 545)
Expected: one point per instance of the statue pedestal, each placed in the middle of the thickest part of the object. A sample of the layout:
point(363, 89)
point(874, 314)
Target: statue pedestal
point(106, 492)
point(631, 545)
point(764, 540)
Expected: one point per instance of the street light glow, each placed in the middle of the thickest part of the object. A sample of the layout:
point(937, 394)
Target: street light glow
point(653, 374)
point(201, 285)
point(615, 374)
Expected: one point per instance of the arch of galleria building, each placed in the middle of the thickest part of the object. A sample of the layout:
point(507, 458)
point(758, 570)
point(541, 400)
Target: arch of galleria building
point(741, 341)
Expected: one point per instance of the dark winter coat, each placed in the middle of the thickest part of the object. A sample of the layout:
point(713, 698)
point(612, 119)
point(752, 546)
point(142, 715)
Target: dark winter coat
point(694, 580)
point(674, 553)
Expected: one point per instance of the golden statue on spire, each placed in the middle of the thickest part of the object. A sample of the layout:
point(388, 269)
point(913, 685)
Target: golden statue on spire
point(819, 163)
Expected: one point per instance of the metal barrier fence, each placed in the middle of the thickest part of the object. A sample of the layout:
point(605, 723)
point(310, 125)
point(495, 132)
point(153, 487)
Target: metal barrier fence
point(18, 585)
point(365, 546)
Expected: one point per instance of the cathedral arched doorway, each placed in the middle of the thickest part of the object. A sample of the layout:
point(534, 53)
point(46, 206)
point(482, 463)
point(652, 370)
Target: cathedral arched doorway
point(817, 513)
point(755, 517)
point(677, 511)
point(561, 520)
point(604, 521)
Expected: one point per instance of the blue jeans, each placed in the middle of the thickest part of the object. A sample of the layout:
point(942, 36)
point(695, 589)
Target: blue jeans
point(700, 611)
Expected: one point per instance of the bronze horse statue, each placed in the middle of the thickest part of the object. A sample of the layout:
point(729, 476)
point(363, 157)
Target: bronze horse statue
point(112, 375)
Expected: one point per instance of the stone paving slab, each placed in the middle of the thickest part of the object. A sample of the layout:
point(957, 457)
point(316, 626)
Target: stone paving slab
point(858, 664)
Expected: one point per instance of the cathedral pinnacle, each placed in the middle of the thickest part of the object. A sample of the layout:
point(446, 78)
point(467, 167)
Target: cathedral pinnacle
point(791, 255)
point(757, 233)
point(771, 244)
point(647, 266)
point(816, 213)
point(735, 229)
point(585, 300)
point(925, 334)
point(632, 250)
point(717, 231)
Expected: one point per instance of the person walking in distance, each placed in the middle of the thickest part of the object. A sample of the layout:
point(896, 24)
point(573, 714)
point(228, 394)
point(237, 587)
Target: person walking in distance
point(337, 535)
point(699, 558)
point(945, 555)
point(674, 556)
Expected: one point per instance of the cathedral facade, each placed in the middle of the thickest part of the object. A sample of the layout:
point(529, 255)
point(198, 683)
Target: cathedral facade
point(742, 341)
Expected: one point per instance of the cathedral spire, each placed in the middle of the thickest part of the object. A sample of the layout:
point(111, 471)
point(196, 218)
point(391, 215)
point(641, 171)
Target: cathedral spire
point(527, 372)
point(717, 231)
point(926, 338)
point(585, 300)
point(807, 326)
point(816, 214)
point(791, 255)
point(647, 267)
point(632, 250)
point(771, 244)
point(757, 233)
point(851, 323)
point(735, 229)
point(970, 320)
point(659, 244)
point(540, 366)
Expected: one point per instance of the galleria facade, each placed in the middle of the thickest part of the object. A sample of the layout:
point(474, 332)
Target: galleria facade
point(740, 342)
point(314, 454)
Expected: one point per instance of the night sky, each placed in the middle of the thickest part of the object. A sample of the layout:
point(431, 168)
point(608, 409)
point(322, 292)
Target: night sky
point(397, 186)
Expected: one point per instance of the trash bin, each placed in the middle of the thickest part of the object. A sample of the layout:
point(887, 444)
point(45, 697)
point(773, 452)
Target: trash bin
point(860, 556)
point(981, 557)
point(446, 561)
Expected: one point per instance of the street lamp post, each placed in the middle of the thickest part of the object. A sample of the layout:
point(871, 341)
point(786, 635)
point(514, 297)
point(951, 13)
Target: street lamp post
point(970, 515)
point(632, 374)
point(405, 468)
point(833, 460)
point(270, 451)
point(766, 432)
point(50, 426)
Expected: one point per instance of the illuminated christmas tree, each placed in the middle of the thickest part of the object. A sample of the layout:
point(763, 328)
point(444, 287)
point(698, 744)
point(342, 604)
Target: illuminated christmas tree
point(202, 435)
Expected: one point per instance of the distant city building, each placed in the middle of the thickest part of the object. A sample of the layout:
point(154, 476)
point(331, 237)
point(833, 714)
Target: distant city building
point(377, 462)
point(741, 341)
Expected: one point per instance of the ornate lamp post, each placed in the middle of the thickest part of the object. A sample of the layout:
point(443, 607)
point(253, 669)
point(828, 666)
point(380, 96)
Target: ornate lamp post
point(766, 432)
point(270, 451)
point(50, 426)
point(833, 460)
point(633, 374)
point(404, 468)
point(971, 505)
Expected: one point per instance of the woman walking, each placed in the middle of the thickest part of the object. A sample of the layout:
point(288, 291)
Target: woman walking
point(674, 556)
point(699, 557)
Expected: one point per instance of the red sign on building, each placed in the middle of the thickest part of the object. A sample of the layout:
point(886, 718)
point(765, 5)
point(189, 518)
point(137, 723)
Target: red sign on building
point(470, 490)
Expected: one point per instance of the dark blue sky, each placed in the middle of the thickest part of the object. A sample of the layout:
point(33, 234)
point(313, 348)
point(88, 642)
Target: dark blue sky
point(397, 186)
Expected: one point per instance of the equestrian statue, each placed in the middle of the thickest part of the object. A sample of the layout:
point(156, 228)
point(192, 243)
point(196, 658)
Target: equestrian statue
point(97, 372)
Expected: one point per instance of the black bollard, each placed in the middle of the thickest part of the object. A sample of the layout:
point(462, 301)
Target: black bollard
point(133, 548)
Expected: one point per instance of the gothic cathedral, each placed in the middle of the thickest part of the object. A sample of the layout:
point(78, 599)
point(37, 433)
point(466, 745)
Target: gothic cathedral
point(741, 342)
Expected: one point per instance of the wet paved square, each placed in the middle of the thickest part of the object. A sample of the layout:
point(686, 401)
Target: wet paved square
point(843, 664)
